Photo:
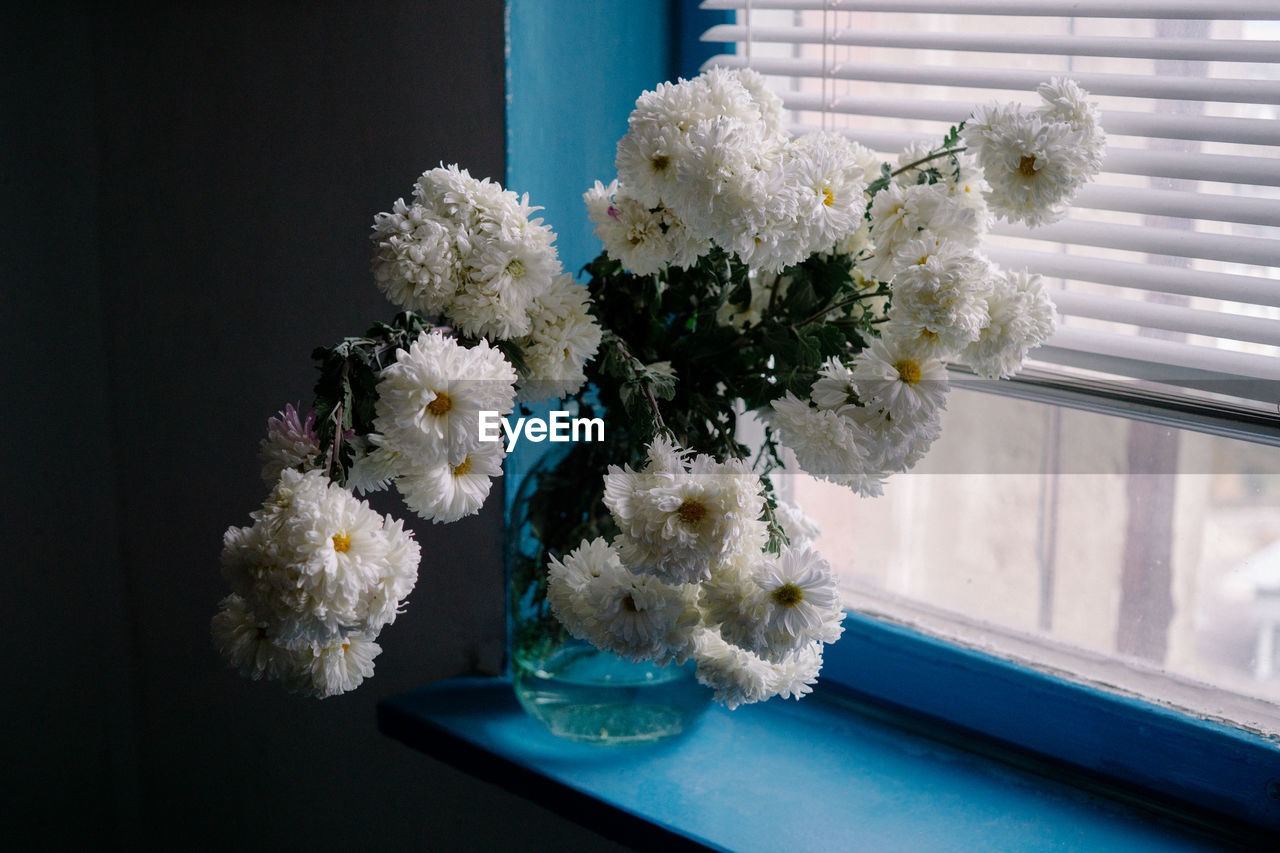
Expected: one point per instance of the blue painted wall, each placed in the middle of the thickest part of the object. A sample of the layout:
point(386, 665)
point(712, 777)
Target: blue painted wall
point(574, 70)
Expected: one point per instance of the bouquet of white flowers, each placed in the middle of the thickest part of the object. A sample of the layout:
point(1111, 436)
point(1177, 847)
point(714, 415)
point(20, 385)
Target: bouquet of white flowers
point(743, 271)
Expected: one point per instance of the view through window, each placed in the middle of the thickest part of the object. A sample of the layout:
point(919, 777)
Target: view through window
point(1158, 546)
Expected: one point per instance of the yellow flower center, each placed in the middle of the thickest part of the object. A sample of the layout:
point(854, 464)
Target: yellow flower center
point(516, 268)
point(341, 542)
point(629, 604)
point(660, 162)
point(929, 334)
point(461, 469)
point(828, 197)
point(787, 595)
point(908, 371)
point(441, 404)
point(1027, 166)
point(690, 511)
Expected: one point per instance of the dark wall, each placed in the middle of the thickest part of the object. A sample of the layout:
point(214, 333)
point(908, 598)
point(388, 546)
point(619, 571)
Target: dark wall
point(187, 198)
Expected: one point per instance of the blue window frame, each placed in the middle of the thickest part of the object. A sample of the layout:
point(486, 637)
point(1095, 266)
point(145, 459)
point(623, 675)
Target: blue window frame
point(574, 70)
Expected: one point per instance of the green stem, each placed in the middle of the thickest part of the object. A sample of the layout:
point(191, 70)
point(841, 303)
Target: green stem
point(335, 445)
point(632, 361)
point(934, 156)
point(813, 318)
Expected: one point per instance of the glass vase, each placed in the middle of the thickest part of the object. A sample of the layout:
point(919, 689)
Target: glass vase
point(577, 691)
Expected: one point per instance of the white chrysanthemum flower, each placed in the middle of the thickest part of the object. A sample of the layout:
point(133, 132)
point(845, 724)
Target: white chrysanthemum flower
point(900, 216)
point(830, 184)
point(834, 387)
point(384, 600)
point(648, 158)
point(341, 664)
point(736, 675)
point(720, 178)
point(632, 233)
point(563, 338)
point(893, 445)
point(568, 579)
point(741, 94)
point(795, 676)
point(415, 262)
point(443, 492)
point(1033, 162)
point(348, 539)
point(467, 248)
point(767, 102)
point(892, 376)
point(676, 520)
point(290, 443)
point(373, 467)
point(465, 201)
point(316, 565)
point(895, 217)
point(1065, 101)
point(739, 677)
point(941, 295)
point(241, 559)
point(802, 603)
point(774, 235)
point(664, 132)
point(429, 401)
point(634, 616)
point(1021, 316)
point(825, 444)
point(247, 643)
point(685, 244)
point(318, 553)
point(969, 189)
point(503, 276)
point(666, 456)
point(641, 618)
point(732, 600)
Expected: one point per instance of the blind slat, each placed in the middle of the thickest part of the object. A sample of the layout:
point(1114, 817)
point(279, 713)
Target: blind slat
point(1174, 318)
point(1156, 241)
point(1201, 50)
point(1186, 282)
point(1118, 123)
point(1249, 10)
point(1184, 205)
point(1252, 377)
point(1020, 79)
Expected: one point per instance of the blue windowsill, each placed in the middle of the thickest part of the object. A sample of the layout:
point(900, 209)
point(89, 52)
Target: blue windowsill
point(783, 775)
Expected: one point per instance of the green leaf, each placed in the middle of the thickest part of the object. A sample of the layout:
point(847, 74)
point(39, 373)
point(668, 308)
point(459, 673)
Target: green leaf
point(661, 378)
point(514, 354)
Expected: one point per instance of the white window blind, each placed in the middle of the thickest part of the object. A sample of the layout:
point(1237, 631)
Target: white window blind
point(1167, 269)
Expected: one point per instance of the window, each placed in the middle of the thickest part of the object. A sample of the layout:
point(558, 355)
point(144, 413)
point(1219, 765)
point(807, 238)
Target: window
point(1112, 513)
point(1166, 267)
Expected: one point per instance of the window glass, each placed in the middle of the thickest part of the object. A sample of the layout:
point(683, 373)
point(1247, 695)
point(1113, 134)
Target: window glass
point(1153, 546)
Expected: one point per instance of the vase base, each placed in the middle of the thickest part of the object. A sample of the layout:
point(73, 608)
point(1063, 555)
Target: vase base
point(597, 698)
